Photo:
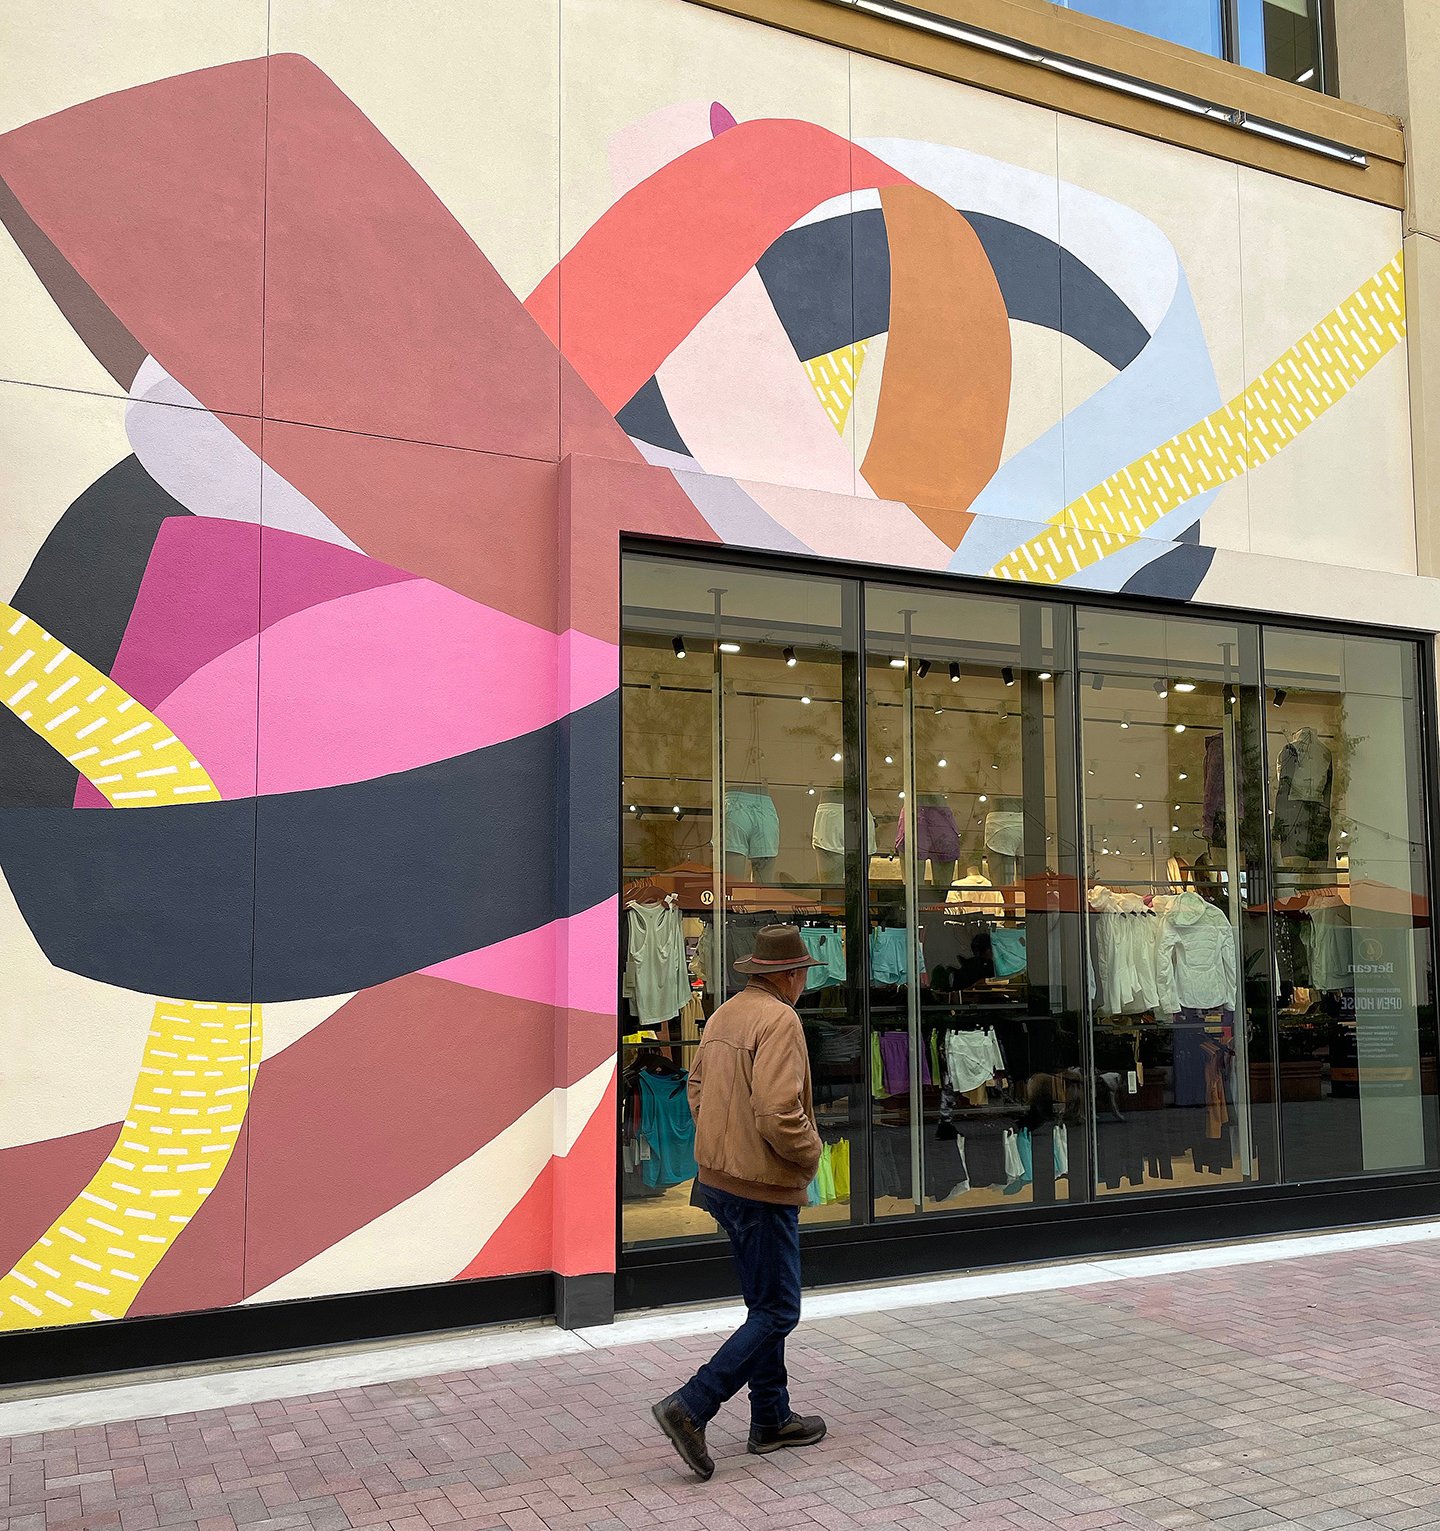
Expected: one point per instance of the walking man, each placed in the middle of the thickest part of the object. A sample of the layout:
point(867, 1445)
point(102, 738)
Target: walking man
point(757, 1150)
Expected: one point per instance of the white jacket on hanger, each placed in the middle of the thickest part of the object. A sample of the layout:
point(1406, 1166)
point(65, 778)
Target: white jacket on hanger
point(1195, 957)
point(1124, 952)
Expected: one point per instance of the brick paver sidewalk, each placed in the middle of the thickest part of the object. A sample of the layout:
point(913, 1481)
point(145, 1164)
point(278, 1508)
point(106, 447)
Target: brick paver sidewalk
point(1295, 1393)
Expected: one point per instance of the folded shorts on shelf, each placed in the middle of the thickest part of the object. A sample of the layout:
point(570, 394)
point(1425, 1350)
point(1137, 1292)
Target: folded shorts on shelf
point(752, 826)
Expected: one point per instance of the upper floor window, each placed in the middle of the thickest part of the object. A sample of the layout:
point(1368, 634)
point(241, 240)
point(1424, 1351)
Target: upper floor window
point(1276, 37)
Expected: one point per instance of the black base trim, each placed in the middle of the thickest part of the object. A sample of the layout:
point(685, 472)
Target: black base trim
point(43, 1355)
point(581, 1302)
point(837, 1257)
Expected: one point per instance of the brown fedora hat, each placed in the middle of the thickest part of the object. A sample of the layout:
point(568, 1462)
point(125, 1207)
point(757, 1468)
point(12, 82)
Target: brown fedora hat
point(778, 949)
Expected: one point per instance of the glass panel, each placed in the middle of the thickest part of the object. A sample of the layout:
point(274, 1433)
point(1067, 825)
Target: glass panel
point(974, 1049)
point(1282, 38)
point(1191, 23)
point(1178, 935)
point(738, 688)
point(1352, 913)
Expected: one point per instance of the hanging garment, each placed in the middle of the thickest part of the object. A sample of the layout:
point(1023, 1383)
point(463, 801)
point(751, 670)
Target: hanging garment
point(1195, 957)
point(1007, 950)
point(972, 1059)
point(827, 946)
point(1329, 945)
point(1123, 952)
point(1301, 821)
point(668, 1127)
point(1005, 832)
point(895, 1059)
point(840, 1168)
point(657, 978)
point(877, 1067)
point(889, 956)
point(752, 826)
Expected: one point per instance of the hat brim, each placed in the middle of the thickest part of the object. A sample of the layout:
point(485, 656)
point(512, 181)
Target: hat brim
point(785, 965)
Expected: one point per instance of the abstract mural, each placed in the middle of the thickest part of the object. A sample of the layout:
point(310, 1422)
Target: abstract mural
point(341, 625)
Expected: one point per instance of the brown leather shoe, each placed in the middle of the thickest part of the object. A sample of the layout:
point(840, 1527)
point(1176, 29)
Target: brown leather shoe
point(686, 1436)
point(798, 1430)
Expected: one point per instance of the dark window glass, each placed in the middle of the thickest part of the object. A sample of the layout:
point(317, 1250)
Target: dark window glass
point(1281, 38)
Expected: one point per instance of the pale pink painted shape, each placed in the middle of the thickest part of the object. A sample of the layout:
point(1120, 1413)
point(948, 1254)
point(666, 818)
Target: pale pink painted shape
point(379, 682)
point(569, 963)
point(739, 397)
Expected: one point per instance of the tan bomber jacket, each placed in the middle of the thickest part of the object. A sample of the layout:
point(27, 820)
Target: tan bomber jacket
point(751, 1099)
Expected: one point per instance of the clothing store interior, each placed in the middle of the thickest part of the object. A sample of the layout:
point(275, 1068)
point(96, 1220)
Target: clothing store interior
point(1105, 902)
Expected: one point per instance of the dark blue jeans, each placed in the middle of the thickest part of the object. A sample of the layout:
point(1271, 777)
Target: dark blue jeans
point(765, 1241)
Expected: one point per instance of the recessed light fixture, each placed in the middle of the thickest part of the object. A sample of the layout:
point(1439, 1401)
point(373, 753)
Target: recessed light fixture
point(678, 644)
point(889, 760)
point(901, 794)
point(1179, 728)
point(729, 648)
point(923, 668)
point(942, 762)
point(954, 670)
point(1184, 685)
point(790, 657)
point(1044, 675)
point(1007, 674)
point(897, 663)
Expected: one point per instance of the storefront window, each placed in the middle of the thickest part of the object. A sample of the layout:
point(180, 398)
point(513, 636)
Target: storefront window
point(1178, 952)
point(1351, 905)
point(1190, 23)
point(1106, 902)
point(975, 1050)
point(739, 695)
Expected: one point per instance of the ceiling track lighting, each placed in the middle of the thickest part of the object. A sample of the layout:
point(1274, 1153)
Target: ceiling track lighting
point(1044, 675)
point(790, 657)
point(1184, 685)
point(729, 648)
point(921, 20)
point(954, 671)
point(1162, 689)
point(1280, 695)
point(1007, 674)
point(1097, 681)
point(678, 644)
point(897, 663)
point(922, 669)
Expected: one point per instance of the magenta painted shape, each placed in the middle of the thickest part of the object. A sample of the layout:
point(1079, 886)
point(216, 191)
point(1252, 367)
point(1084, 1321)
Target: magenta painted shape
point(569, 963)
point(722, 119)
point(202, 596)
point(379, 682)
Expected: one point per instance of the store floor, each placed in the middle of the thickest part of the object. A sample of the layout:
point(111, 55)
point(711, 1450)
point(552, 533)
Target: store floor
point(1289, 1384)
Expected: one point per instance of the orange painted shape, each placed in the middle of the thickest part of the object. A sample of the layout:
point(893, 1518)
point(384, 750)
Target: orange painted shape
point(945, 392)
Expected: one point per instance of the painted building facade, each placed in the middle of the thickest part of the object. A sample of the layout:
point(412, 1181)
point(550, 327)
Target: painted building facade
point(341, 351)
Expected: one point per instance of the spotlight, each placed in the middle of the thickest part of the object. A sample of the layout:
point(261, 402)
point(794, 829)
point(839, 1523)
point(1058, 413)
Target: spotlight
point(1184, 776)
point(1184, 685)
point(1231, 696)
point(1139, 805)
point(729, 648)
point(1097, 681)
point(923, 668)
point(790, 657)
point(954, 670)
point(1008, 675)
point(633, 808)
point(676, 809)
point(805, 700)
point(889, 760)
point(678, 644)
point(1162, 689)
point(942, 762)
point(1280, 695)
point(984, 798)
point(812, 792)
point(897, 663)
point(836, 757)
point(1174, 829)
point(1125, 721)
point(1179, 728)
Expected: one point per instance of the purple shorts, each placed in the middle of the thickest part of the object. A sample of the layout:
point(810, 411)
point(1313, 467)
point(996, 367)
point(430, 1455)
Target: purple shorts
point(938, 838)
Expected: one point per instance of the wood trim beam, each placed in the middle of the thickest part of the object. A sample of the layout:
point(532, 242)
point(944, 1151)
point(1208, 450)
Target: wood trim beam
point(1049, 28)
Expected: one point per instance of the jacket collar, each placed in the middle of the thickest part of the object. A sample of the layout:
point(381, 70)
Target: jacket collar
point(758, 981)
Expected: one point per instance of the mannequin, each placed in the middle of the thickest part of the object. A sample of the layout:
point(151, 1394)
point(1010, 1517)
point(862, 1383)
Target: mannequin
point(975, 891)
point(1004, 839)
point(1301, 823)
point(752, 832)
point(828, 836)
